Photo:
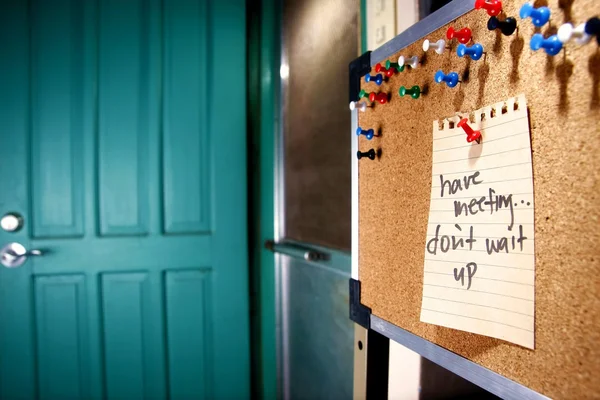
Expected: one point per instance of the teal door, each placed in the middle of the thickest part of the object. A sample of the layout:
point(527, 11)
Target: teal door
point(122, 146)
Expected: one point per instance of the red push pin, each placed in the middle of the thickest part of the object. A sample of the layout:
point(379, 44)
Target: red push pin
point(471, 134)
point(380, 68)
point(380, 97)
point(492, 7)
point(463, 35)
point(387, 72)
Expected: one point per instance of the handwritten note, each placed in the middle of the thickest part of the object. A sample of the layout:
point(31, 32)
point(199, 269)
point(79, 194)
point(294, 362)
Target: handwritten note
point(479, 271)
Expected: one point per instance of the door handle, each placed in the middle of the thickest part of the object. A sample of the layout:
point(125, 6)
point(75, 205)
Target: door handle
point(296, 251)
point(15, 254)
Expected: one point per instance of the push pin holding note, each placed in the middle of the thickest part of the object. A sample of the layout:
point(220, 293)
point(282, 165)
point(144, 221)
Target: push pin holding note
point(368, 133)
point(506, 27)
point(472, 135)
point(451, 79)
point(539, 16)
point(552, 46)
point(367, 154)
point(412, 62)
point(378, 79)
point(362, 106)
point(474, 52)
point(592, 27)
point(492, 7)
point(438, 46)
point(462, 35)
point(567, 32)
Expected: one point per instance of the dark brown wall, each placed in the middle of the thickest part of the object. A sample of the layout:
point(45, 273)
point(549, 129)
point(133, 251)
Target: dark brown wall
point(321, 38)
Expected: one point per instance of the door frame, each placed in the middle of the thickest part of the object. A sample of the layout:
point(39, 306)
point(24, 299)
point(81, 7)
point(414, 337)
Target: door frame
point(264, 43)
point(266, 177)
point(269, 208)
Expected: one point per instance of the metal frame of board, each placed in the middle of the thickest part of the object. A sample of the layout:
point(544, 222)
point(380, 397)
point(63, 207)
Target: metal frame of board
point(481, 376)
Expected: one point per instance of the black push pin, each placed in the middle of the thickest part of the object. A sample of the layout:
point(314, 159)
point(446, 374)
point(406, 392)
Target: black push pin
point(370, 154)
point(592, 27)
point(507, 27)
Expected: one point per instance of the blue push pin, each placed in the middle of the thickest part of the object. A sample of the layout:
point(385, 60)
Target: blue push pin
point(451, 79)
point(551, 46)
point(539, 16)
point(378, 79)
point(369, 133)
point(475, 51)
point(592, 28)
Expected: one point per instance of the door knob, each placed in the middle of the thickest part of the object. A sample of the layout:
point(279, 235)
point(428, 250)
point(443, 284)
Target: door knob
point(15, 254)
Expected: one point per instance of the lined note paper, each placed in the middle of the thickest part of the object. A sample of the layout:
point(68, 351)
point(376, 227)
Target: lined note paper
point(479, 270)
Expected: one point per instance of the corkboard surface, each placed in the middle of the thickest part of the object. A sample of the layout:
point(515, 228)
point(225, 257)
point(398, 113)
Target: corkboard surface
point(563, 96)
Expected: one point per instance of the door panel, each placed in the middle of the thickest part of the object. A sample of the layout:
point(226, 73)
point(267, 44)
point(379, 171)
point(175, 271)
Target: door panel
point(186, 109)
point(188, 325)
point(127, 115)
point(57, 101)
point(106, 151)
point(62, 337)
point(132, 333)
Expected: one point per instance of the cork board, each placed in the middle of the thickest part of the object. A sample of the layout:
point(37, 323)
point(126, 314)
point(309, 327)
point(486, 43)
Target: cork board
point(563, 96)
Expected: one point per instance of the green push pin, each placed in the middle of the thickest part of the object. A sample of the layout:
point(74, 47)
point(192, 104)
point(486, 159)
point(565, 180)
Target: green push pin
point(389, 65)
point(415, 91)
point(362, 94)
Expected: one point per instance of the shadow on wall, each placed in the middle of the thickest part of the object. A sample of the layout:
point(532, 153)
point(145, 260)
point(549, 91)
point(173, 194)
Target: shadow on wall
point(439, 383)
point(427, 7)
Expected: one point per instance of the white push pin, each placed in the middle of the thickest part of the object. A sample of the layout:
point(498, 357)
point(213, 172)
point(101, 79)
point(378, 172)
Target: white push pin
point(438, 46)
point(411, 61)
point(362, 106)
point(567, 32)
